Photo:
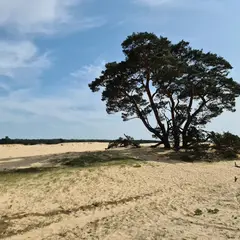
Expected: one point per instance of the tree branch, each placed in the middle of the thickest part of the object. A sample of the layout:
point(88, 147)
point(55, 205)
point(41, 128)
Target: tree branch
point(161, 125)
point(128, 119)
point(237, 166)
point(144, 120)
point(190, 118)
point(156, 92)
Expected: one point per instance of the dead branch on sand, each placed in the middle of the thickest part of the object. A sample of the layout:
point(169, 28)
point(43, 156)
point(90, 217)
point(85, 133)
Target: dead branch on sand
point(123, 142)
point(237, 166)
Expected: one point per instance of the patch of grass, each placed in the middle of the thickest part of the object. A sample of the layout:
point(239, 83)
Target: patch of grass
point(26, 171)
point(213, 211)
point(89, 160)
point(198, 212)
point(12, 177)
point(98, 159)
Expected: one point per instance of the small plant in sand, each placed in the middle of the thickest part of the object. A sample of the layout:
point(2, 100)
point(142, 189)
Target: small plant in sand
point(213, 211)
point(198, 212)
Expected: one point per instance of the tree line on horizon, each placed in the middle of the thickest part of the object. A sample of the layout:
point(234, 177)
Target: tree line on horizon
point(7, 140)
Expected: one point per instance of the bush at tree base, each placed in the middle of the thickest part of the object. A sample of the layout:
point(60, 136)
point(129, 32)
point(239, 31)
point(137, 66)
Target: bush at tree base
point(219, 146)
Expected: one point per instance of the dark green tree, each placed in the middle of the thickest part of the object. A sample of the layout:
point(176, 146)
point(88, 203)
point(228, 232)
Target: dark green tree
point(180, 87)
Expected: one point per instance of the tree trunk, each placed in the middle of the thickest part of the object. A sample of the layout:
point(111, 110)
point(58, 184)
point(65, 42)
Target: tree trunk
point(166, 142)
point(163, 141)
point(176, 142)
point(184, 141)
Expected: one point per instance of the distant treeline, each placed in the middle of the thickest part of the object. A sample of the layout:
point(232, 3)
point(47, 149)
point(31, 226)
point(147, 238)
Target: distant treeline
point(8, 140)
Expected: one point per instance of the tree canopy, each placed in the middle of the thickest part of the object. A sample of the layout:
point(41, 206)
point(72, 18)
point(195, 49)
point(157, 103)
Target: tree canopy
point(182, 88)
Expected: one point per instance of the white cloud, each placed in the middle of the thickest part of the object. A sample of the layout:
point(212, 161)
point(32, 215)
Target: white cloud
point(89, 72)
point(22, 65)
point(72, 113)
point(41, 16)
point(68, 104)
point(21, 58)
point(67, 107)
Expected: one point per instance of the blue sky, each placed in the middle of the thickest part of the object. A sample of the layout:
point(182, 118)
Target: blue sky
point(51, 49)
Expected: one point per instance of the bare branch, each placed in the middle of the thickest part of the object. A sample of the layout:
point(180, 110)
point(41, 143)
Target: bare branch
point(237, 166)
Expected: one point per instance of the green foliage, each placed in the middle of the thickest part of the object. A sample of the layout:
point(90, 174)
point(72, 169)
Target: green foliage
point(225, 141)
point(181, 87)
point(219, 147)
point(226, 145)
point(196, 138)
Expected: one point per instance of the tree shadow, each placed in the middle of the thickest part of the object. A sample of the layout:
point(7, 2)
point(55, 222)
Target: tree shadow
point(105, 158)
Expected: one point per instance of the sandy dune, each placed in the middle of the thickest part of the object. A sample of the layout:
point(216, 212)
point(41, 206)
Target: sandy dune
point(156, 201)
point(18, 151)
point(159, 200)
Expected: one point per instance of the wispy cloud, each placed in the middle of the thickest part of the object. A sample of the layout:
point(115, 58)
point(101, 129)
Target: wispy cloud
point(69, 105)
point(22, 63)
point(43, 17)
point(16, 57)
point(24, 21)
point(89, 72)
point(74, 113)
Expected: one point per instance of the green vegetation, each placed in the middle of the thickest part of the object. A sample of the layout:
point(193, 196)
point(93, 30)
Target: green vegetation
point(82, 160)
point(98, 160)
point(219, 147)
point(182, 88)
point(198, 212)
point(227, 145)
point(213, 211)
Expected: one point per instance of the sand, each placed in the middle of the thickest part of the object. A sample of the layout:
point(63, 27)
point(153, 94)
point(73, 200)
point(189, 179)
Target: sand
point(19, 151)
point(159, 200)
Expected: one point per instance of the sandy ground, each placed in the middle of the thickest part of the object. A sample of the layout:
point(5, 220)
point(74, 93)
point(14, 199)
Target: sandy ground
point(19, 151)
point(159, 200)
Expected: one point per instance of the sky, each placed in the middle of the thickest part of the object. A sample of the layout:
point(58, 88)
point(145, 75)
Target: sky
point(51, 49)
